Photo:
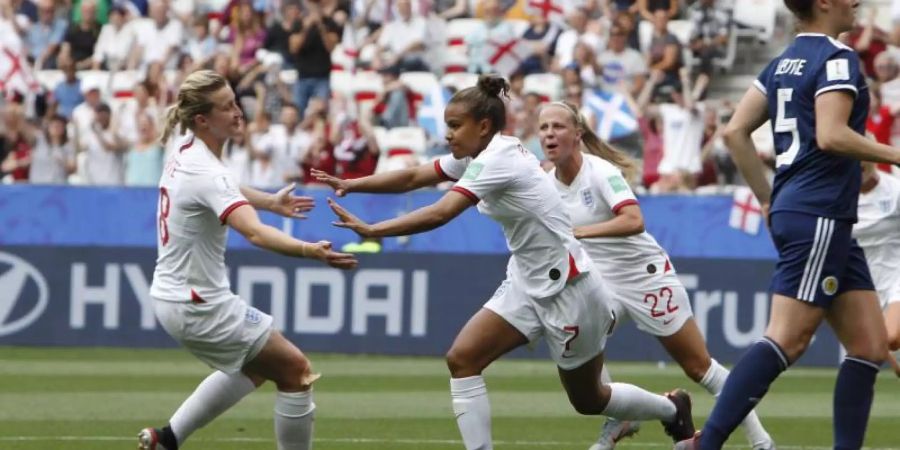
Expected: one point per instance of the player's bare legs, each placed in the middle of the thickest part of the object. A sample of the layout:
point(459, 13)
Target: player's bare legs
point(688, 348)
point(484, 338)
point(858, 322)
point(590, 396)
point(290, 370)
point(892, 323)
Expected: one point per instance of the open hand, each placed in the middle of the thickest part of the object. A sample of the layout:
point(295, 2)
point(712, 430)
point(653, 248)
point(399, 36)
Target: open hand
point(285, 203)
point(323, 252)
point(340, 186)
point(349, 221)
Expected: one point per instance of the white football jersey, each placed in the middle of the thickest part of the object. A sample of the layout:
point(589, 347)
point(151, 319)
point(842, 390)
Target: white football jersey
point(197, 192)
point(596, 195)
point(509, 186)
point(878, 231)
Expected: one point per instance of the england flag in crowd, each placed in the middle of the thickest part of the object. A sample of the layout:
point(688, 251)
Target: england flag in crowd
point(431, 113)
point(746, 212)
point(615, 119)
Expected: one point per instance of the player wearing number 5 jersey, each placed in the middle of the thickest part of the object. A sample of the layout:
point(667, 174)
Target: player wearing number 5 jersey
point(817, 100)
point(607, 218)
point(191, 295)
point(552, 289)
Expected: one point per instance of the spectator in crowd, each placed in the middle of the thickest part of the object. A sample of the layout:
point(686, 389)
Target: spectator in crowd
point(542, 35)
point(625, 7)
point(84, 114)
point(396, 105)
point(104, 149)
point(628, 23)
point(451, 9)
point(294, 139)
point(881, 116)
point(402, 41)
point(589, 69)
point(623, 66)
point(157, 86)
point(709, 39)
point(493, 30)
point(100, 12)
point(278, 35)
point(201, 44)
point(712, 147)
point(160, 37)
point(265, 166)
point(582, 29)
point(664, 57)
point(45, 36)
point(868, 40)
point(236, 156)
point(144, 161)
point(355, 149)
point(131, 112)
point(81, 38)
point(25, 8)
point(337, 10)
point(247, 36)
point(320, 155)
point(115, 46)
point(67, 95)
point(311, 48)
point(682, 134)
point(53, 157)
point(371, 14)
point(648, 9)
point(18, 140)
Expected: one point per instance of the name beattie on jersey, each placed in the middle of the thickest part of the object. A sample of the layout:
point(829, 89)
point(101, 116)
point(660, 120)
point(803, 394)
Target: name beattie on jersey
point(790, 67)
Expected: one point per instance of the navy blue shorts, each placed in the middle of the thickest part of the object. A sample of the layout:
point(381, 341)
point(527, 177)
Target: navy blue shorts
point(817, 258)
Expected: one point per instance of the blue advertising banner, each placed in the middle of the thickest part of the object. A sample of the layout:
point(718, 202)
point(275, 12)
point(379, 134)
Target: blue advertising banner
point(686, 226)
point(409, 304)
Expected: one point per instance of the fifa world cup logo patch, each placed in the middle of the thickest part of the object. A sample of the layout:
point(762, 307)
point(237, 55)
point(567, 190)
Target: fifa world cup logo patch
point(830, 285)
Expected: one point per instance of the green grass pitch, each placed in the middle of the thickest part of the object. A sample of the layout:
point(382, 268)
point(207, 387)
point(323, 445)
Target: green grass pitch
point(97, 399)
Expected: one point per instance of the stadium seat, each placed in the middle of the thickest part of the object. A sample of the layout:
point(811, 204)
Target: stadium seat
point(455, 60)
point(341, 83)
point(96, 78)
point(122, 83)
point(342, 58)
point(48, 79)
point(458, 29)
point(548, 86)
point(755, 18)
point(458, 81)
point(405, 141)
point(421, 83)
point(366, 87)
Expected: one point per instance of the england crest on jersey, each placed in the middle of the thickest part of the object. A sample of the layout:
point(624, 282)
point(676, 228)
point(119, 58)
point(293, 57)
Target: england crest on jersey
point(587, 197)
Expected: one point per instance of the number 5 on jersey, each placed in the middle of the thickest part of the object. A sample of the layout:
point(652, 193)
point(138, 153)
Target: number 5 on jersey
point(786, 125)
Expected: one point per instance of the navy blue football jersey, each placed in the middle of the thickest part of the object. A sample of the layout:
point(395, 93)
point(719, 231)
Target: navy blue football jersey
point(807, 179)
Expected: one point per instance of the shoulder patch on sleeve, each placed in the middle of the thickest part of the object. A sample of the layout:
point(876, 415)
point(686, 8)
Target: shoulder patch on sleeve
point(837, 69)
point(617, 183)
point(225, 186)
point(473, 171)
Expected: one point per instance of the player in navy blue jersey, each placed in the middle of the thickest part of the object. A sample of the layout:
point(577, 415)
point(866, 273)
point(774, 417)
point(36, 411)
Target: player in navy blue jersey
point(816, 98)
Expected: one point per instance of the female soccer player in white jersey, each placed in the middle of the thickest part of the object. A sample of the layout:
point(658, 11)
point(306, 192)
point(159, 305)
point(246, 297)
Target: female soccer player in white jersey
point(610, 227)
point(192, 299)
point(552, 289)
point(878, 233)
point(817, 100)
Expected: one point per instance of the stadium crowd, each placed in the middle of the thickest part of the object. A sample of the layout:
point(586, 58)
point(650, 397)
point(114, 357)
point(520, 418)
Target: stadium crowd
point(345, 86)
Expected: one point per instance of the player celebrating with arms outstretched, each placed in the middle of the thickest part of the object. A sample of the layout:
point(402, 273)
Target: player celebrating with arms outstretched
point(552, 288)
point(817, 101)
point(191, 295)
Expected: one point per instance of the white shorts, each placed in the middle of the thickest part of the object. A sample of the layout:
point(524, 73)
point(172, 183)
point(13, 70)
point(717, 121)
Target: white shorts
point(889, 293)
point(574, 322)
point(659, 309)
point(225, 335)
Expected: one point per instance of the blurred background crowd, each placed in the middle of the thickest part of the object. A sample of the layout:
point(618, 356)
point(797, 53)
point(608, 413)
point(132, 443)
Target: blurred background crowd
point(352, 87)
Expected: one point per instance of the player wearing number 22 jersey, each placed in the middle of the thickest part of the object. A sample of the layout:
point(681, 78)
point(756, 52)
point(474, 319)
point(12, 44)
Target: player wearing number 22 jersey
point(814, 196)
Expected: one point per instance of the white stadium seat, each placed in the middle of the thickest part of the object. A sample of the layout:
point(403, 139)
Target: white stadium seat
point(458, 29)
point(48, 79)
point(756, 17)
point(459, 81)
point(421, 83)
point(549, 86)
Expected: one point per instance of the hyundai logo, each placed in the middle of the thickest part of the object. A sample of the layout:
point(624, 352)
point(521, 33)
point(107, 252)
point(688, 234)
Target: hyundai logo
point(14, 284)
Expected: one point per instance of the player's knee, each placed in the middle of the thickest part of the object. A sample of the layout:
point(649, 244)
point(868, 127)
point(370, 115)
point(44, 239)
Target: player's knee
point(297, 375)
point(461, 363)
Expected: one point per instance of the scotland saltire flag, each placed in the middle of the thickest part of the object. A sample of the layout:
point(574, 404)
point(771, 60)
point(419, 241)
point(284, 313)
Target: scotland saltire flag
point(431, 113)
point(615, 119)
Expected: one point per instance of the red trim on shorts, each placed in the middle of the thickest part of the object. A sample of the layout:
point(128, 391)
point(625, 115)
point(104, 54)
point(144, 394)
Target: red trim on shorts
point(187, 145)
point(467, 193)
point(224, 216)
point(622, 204)
point(573, 269)
point(196, 298)
point(440, 171)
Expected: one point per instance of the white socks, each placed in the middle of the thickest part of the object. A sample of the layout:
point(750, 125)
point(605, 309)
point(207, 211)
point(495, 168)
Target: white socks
point(215, 394)
point(294, 413)
point(713, 382)
point(473, 411)
point(629, 402)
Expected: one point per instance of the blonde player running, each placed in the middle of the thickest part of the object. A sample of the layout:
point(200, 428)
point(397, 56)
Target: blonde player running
point(191, 295)
point(552, 289)
point(608, 223)
point(878, 233)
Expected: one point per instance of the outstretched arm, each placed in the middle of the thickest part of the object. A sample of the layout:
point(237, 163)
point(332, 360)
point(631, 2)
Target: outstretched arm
point(283, 202)
point(395, 181)
point(423, 219)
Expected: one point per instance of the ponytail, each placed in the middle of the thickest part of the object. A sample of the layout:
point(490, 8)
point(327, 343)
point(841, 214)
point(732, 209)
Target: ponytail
point(173, 119)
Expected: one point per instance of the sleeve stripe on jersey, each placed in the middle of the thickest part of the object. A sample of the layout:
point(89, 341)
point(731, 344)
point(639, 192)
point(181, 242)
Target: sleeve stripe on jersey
point(440, 171)
point(622, 204)
point(467, 193)
point(224, 216)
point(187, 145)
point(760, 86)
point(835, 87)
